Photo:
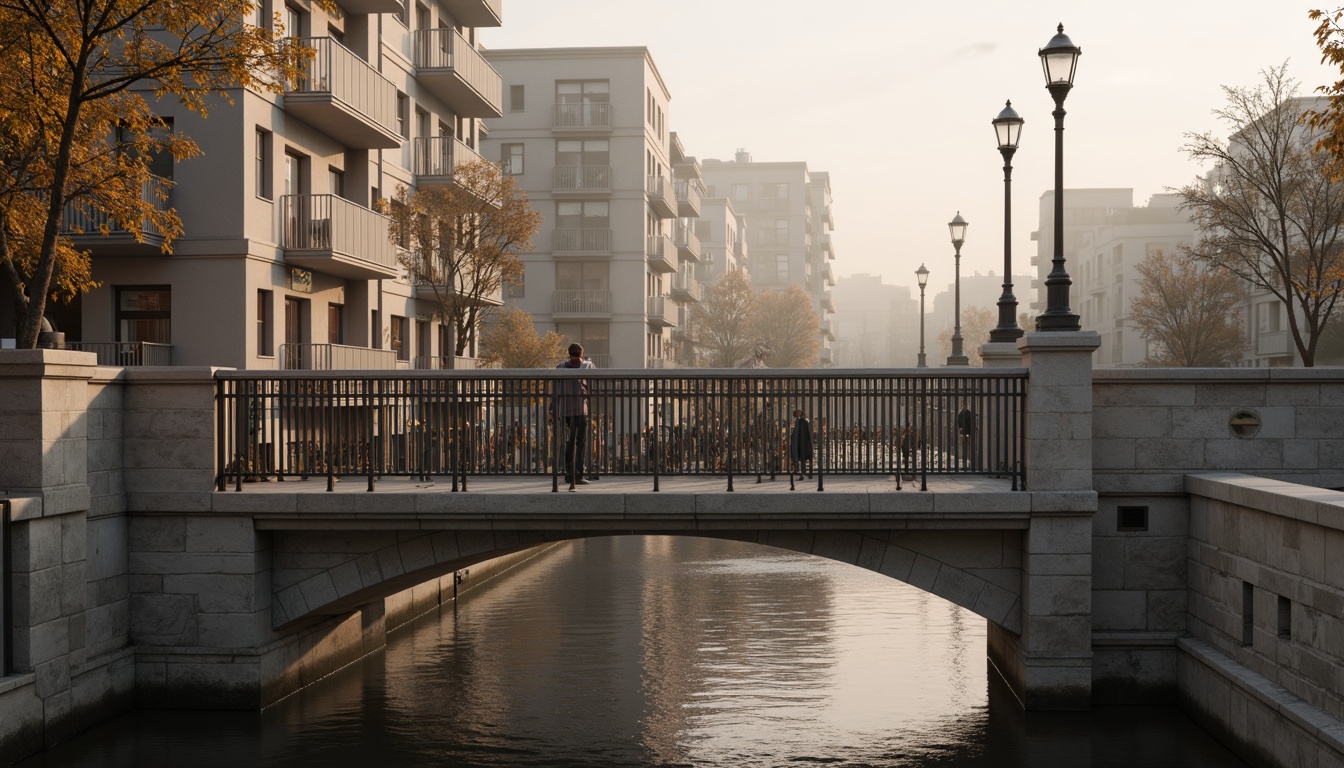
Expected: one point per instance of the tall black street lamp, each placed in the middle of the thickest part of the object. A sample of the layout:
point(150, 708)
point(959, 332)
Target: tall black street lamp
point(1008, 129)
point(922, 275)
point(957, 226)
point(1059, 59)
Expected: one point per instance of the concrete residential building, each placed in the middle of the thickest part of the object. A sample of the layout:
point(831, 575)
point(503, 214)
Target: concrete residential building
point(876, 324)
point(1083, 209)
point(788, 214)
point(284, 261)
point(585, 132)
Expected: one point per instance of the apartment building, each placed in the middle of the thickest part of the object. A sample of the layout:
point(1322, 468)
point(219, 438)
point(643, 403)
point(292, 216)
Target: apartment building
point(585, 131)
point(1083, 209)
point(285, 261)
point(876, 324)
point(788, 215)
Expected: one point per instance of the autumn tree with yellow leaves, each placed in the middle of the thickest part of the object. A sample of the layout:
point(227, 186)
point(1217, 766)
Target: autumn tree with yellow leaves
point(510, 340)
point(78, 128)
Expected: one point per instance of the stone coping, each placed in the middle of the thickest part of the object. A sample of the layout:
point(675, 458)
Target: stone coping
point(1217, 375)
point(1320, 506)
point(1319, 725)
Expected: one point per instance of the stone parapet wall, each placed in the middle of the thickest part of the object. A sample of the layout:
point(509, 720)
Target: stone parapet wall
point(1266, 581)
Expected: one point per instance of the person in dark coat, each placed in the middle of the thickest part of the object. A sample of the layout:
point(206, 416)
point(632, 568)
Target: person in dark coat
point(800, 443)
point(966, 427)
point(570, 407)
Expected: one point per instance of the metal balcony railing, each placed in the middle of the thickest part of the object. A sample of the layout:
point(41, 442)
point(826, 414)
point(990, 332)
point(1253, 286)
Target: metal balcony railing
point(576, 302)
point(661, 196)
point(336, 71)
point(77, 219)
point(567, 239)
point(441, 155)
point(335, 357)
point(661, 253)
point(588, 115)
point(126, 353)
point(449, 65)
point(581, 178)
point(684, 283)
point(725, 423)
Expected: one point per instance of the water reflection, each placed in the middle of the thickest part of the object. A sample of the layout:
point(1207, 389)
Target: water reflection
point(632, 651)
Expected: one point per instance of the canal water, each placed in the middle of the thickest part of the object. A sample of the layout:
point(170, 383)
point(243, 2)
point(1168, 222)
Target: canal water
point(664, 651)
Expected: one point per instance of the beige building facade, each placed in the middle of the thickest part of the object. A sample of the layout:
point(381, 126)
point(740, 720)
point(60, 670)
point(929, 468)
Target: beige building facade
point(285, 261)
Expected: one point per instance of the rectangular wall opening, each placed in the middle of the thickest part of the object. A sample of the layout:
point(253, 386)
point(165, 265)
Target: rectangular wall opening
point(1285, 618)
point(1247, 613)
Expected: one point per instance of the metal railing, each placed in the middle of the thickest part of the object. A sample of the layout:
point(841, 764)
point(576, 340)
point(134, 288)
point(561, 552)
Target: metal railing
point(593, 114)
point(336, 70)
point(331, 223)
point(689, 191)
point(686, 240)
point(581, 302)
point(685, 282)
point(581, 178)
point(448, 362)
point(659, 189)
point(441, 155)
point(79, 218)
point(126, 353)
point(661, 253)
point(580, 239)
point(335, 357)
point(661, 310)
point(731, 423)
point(446, 48)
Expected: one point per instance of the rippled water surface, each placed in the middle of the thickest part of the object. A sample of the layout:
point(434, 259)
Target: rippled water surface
point(662, 651)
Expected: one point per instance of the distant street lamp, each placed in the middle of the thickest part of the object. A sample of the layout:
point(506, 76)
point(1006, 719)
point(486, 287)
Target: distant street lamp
point(1059, 60)
point(922, 275)
point(1008, 129)
point(957, 226)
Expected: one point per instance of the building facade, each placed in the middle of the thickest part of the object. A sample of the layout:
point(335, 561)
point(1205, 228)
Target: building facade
point(285, 260)
point(789, 220)
point(585, 131)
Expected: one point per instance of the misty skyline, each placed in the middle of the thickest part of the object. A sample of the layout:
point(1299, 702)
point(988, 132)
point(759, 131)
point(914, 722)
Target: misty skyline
point(895, 101)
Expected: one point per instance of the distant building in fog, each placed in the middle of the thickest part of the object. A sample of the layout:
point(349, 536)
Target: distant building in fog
point(876, 325)
point(788, 218)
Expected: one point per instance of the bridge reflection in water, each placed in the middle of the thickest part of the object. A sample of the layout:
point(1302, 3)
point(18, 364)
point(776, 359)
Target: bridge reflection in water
point(728, 424)
point(634, 651)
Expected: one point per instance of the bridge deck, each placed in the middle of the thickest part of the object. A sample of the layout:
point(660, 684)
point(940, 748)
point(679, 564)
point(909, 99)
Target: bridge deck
point(629, 504)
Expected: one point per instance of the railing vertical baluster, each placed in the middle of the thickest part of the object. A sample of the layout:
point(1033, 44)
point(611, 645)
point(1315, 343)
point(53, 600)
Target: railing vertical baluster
point(219, 437)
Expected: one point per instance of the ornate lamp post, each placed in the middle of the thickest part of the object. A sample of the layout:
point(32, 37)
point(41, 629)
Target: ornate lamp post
point(1059, 59)
point(1008, 129)
point(957, 226)
point(922, 275)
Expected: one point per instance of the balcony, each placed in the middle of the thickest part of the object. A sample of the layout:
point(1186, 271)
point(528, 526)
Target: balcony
point(593, 116)
point(828, 329)
point(675, 148)
point(826, 302)
point(341, 95)
point(827, 274)
point(126, 353)
point(451, 69)
point(826, 356)
point(448, 362)
point(476, 13)
point(660, 251)
point(581, 179)
point(330, 234)
point(685, 288)
point(662, 313)
point(436, 159)
point(86, 227)
point(659, 363)
point(662, 198)
point(827, 247)
point(687, 242)
point(434, 288)
point(336, 357)
point(688, 199)
point(1271, 343)
point(362, 7)
point(573, 303)
point(578, 241)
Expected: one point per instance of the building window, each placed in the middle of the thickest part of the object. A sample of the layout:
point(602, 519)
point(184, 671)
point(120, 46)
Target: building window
point(295, 176)
point(421, 17)
point(590, 214)
point(296, 317)
point(512, 159)
point(516, 98)
point(335, 324)
point(293, 21)
point(400, 332)
point(144, 313)
point(375, 330)
point(582, 276)
point(336, 180)
point(262, 171)
point(741, 193)
point(781, 268)
point(582, 102)
point(265, 304)
point(595, 337)
point(403, 115)
point(587, 152)
point(516, 290)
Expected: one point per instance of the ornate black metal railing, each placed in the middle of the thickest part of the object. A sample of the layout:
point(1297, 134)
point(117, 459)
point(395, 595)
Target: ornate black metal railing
point(904, 424)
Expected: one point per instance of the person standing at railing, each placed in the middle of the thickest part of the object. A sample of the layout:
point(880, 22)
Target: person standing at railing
point(800, 445)
point(570, 407)
point(966, 428)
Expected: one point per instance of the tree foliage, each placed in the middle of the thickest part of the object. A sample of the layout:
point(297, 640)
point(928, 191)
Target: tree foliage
point(77, 129)
point(1330, 121)
point(463, 240)
point(509, 339)
point(1268, 211)
point(976, 323)
point(787, 328)
point(721, 332)
point(1188, 313)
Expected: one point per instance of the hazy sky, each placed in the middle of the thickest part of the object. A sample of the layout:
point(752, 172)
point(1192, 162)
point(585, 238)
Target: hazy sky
point(895, 99)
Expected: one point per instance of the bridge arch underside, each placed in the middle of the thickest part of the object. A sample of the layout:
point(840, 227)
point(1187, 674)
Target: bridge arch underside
point(319, 574)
